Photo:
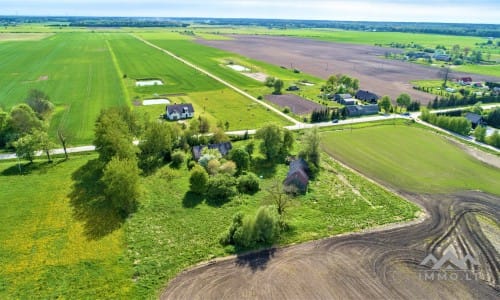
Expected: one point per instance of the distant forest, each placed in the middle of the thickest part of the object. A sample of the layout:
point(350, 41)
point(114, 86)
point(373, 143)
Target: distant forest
point(482, 30)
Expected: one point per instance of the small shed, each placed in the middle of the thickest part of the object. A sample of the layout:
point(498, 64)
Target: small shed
point(474, 119)
point(223, 148)
point(297, 177)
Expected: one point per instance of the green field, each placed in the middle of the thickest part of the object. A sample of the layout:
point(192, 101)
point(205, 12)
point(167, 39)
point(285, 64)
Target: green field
point(75, 69)
point(45, 251)
point(411, 158)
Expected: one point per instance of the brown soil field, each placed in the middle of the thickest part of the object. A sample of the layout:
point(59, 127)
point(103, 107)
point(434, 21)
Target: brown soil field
point(322, 59)
point(297, 105)
point(383, 264)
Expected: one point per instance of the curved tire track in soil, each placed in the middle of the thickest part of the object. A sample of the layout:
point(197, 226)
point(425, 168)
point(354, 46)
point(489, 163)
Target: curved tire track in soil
point(377, 265)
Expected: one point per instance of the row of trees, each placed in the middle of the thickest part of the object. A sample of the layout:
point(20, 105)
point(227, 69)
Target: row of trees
point(459, 125)
point(453, 100)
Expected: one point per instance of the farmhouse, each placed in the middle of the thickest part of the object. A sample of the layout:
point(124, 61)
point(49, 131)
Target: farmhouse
point(362, 110)
point(297, 177)
point(475, 119)
point(223, 148)
point(367, 96)
point(179, 111)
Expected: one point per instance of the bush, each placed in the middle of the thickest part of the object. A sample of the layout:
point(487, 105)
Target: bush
point(286, 110)
point(191, 164)
point(198, 180)
point(221, 187)
point(229, 168)
point(248, 184)
point(178, 158)
point(213, 167)
point(241, 158)
point(250, 231)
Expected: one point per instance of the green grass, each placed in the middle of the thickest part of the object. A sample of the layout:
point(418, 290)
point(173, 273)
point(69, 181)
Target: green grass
point(492, 70)
point(411, 158)
point(44, 252)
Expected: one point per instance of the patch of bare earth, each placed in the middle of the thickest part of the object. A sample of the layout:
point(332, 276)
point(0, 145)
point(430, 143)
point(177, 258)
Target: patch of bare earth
point(374, 265)
point(322, 59)
point(297, 105)
point(11, 37)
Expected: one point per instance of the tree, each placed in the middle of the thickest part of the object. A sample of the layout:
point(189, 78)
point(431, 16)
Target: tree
point(445, 73)
point(248, 183)
point(39, 102)
point(480, 133)
point(276, 141)
point(404, 100)
point(278, 196)
point(63, 138)
point(156, 145)
point(229, 168)
point(213, 167)
point(278, 86)
point(22, 120)
point(493, 118)
point(494, 139)
point(204, 124)
point(241, 158)
point(311, 152)
point(44, 142)
point(219, 136)
point(114, 135)
point(178, 158)
point(385, 104)
point(221, 187)
point(198, 180)
point(121, 183)
point(477, 109)
point(270, 81)
point(26, 147)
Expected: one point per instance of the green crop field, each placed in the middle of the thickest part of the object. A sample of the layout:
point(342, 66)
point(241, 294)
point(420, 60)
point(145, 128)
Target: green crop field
point(74, 69)
point(411, 158)
point(47, 253)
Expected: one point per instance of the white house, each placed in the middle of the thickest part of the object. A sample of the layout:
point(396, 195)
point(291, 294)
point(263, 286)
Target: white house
point(179, 111)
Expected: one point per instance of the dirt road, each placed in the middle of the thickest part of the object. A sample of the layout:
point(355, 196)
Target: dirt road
point(377, 265)
point(322, 59)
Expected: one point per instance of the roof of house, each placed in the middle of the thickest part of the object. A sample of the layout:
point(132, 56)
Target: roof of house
point(473, 118)
point(343, 96)
point(223, 148)
point(362, 109)
point(180, 108)
point(366, 95)
point(297, 174)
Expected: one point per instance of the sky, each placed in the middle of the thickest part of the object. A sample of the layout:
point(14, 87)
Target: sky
point(456, 11)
